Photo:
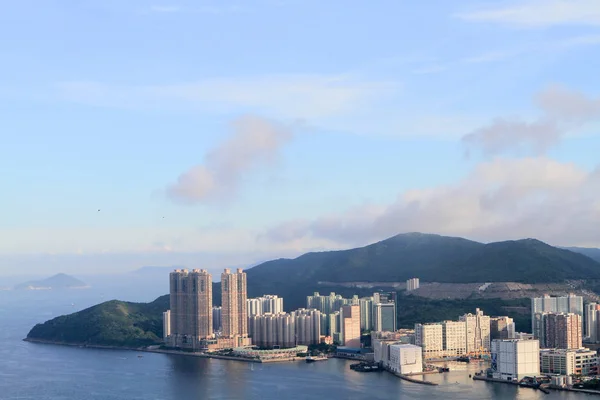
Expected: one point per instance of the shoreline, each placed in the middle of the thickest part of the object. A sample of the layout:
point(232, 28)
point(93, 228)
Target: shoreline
point(543, 388)
point(163, 351)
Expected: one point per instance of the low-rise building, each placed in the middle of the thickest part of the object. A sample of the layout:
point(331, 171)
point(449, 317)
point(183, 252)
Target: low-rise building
point(405, 359)
point(569, 362)
point(514, 359)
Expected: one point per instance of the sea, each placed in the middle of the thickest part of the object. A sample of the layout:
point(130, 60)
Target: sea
point(38, 371)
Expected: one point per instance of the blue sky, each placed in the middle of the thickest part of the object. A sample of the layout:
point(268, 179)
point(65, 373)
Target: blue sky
point(230, 132)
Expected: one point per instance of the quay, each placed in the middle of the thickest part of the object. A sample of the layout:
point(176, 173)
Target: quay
point(166, 351)
point(486, 379)
point(409, 379)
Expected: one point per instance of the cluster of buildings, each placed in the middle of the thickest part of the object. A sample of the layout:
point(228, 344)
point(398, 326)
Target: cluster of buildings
point(556, 345)
point(560, 326)
point(344, 319)
point(193, 323)
point(471, 335)
point(191, 319)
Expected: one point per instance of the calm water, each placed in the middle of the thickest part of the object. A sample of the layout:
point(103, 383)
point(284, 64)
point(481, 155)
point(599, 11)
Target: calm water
point(33, 371)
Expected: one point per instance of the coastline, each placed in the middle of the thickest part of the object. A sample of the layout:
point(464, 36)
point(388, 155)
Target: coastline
point(543, 388)
point(162, 351)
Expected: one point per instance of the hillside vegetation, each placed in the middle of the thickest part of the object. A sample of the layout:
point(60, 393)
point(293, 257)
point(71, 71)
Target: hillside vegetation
point(113, 323)
point(432, 258)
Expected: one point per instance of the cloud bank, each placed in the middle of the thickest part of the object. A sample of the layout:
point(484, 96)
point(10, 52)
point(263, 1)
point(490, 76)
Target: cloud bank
point(253, 142)
point(562, 111)
point(500, 199)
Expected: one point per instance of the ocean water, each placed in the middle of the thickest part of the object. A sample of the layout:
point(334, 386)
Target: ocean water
point(36, 371)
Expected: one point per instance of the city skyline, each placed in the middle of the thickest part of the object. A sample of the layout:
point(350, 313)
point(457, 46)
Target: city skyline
point(159, 152)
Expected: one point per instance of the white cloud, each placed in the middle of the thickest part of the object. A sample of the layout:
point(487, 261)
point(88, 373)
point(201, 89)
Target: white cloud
point(254, 141)
point(540, 13)
point(501, 199)
point(562, 110)
point(282, 96)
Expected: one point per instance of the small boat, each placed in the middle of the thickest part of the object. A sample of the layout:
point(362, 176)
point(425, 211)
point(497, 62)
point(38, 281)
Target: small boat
point(463, 359)
point(140, 356)
point(311, 359)
point(365, 367)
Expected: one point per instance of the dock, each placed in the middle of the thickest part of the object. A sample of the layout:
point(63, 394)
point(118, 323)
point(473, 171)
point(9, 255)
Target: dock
point(514, 383)
point(409, 379)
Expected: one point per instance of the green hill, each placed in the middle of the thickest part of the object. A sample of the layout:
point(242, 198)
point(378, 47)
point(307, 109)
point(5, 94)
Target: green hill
point(113, 323)
point(432, 258)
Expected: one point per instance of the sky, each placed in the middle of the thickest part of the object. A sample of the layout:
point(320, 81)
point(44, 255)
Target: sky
point(217, 133)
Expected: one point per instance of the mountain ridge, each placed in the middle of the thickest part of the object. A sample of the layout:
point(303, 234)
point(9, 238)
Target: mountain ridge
point(431, 258)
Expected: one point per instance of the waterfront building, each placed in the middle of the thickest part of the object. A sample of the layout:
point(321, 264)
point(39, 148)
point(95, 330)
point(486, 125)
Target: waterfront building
point(381, 347)
point(592, 318)
point(502, 328)
point(308, 326)
point(350, 326)
point(216, 312)
point(569, 361)
point(478, 332)
point(454, 338)
point(405, 358)
point(166, 325)
point(272, 354)
point(562, 331)
point(234, 312)
point(273, 330)
point(430, 338)
point(412, 284)
point(190, 308)
point(384, 316)
point(560, 304)
point(514, 359)
point(366, 313)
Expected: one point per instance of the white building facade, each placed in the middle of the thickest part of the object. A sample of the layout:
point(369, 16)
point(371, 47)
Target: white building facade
point(405, 359)
point(412, 284)
point(514, 359)
point(430, 338)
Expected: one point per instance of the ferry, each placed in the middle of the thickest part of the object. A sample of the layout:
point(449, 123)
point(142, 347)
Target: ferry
point(311, 359)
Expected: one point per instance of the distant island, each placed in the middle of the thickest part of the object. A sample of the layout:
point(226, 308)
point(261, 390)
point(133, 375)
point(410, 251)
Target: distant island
point(455, 264)
point(56, 282)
